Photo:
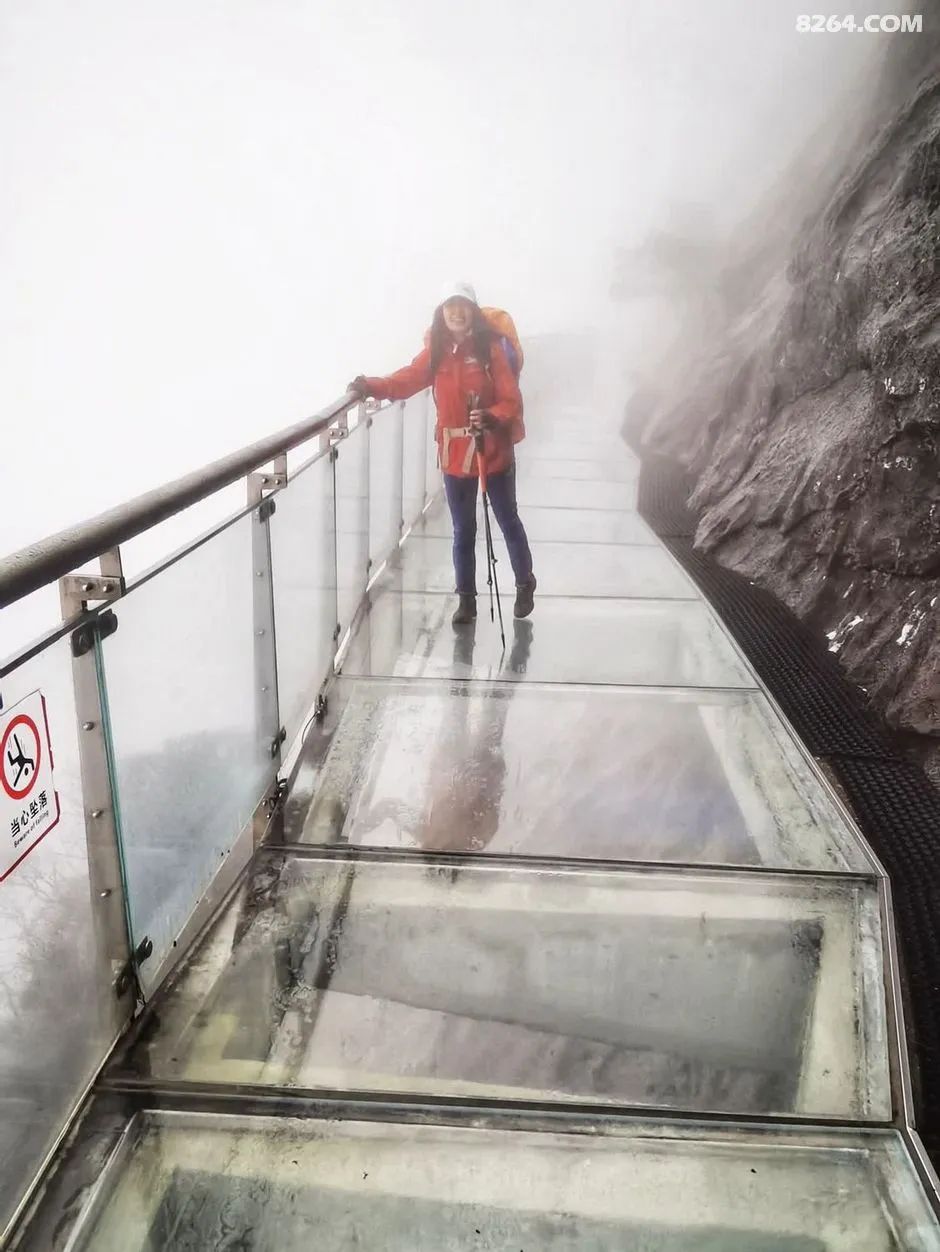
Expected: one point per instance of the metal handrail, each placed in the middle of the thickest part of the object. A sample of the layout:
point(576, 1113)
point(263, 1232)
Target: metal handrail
point(51, 558)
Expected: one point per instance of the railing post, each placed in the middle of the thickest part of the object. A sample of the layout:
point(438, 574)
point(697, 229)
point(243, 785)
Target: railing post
point(401, 467)
point(115, 983)
point(365, 415)
point(425, 411)
point(333, 437)
point(268, 726)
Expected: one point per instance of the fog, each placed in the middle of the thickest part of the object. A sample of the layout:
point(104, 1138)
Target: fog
point(215, 213)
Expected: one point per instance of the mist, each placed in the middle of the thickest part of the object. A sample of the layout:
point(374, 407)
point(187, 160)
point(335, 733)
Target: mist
point(216, 213)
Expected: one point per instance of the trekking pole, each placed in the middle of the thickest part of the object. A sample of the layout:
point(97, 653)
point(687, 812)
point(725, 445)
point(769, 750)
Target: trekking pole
point(491, 580)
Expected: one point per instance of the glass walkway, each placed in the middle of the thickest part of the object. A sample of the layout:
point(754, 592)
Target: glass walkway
point(562, 945)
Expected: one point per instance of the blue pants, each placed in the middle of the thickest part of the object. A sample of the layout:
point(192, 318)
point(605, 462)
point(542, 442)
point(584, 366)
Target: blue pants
point(462, 500)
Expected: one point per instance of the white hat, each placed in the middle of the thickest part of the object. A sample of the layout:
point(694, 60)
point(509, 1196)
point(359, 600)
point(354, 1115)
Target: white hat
point(458, 289)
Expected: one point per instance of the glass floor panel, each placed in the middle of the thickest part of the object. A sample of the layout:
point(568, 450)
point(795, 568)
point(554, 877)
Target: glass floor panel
point(757, 994)
point(605, 773)
point(550, 424)
point(655, 643)
point(570, 448)
point(562, 569)
point(602, 471)
point(566, 493)
point(558, 525)
point(216, 1183)
point(577, 433)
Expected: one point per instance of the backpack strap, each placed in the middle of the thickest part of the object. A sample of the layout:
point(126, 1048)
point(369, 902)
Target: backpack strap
point(510, 349)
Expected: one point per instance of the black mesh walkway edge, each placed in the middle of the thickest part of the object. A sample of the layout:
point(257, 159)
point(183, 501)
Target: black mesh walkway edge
point(892, 800)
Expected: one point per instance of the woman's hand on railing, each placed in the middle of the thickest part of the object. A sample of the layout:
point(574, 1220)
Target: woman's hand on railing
point(359, 386)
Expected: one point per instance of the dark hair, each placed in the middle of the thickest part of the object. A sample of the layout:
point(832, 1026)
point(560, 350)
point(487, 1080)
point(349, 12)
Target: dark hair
point(481, 333)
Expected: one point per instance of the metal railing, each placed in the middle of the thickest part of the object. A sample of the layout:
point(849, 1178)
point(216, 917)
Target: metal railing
point(173, 702)
point(41, 563)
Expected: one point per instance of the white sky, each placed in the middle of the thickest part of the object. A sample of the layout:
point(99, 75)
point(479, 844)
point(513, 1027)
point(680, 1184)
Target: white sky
point(215, 213)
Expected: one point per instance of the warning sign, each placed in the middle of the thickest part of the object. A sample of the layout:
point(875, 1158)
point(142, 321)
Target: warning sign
point(29, 805)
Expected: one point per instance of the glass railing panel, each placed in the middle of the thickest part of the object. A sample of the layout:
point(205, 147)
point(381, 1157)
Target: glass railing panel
point(562, 569)
point(56, 1000)
point(351, 474)
point(655, 643)
point(303, 555)
point(385, 483)
point(756, 994)
point(602, 772)
point(296, 1184)
point(191, 729)
point(416, 434)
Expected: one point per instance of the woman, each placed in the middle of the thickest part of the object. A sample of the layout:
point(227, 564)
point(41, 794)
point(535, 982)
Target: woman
point(476, 395)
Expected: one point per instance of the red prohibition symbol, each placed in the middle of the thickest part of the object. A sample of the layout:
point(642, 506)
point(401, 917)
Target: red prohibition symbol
point(20, 754)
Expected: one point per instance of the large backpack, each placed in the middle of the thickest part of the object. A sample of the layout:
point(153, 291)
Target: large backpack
point(505, 330)
point(508, 336)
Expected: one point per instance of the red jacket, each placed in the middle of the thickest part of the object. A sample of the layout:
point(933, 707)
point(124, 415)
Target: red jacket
point(460, 375)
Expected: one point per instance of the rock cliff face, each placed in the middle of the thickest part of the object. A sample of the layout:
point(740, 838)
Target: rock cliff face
point(812, 424)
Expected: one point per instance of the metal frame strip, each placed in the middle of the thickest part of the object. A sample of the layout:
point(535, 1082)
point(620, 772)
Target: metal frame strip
point(308, 1101)
point(564, 864)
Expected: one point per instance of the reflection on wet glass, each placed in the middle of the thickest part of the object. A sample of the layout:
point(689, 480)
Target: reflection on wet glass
point(194, 1181)
point(669, 643)
point(563, 569)
point(639, 774)
point(557, 525)
point(751, 995)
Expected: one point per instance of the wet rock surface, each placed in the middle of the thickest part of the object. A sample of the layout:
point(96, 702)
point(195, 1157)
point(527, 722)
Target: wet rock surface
point(811, 426)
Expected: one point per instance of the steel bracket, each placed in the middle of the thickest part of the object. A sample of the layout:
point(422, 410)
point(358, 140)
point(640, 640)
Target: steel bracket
point(101, 627)
point(127, 977)
point(275, 798)
point(81, 590)
point(271, 480)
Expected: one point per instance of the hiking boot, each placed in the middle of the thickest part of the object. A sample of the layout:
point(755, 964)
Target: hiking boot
point(525, 599)
point(466, 611)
